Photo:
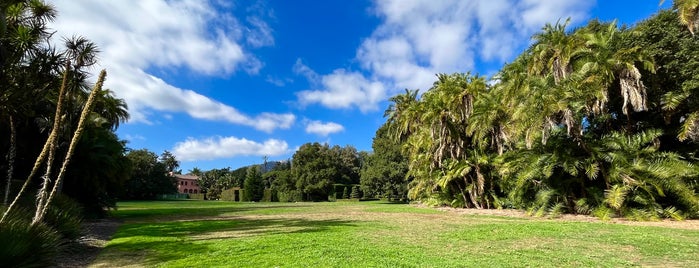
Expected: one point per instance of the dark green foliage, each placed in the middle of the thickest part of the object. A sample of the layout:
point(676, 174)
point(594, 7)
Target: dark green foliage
point(290, 196)
point(317, 167)
point(345, 193)
point(170, 162)
point(213, 182)
point(65, 216)
point(270, 195)
point(253, 188)
point(149, 177)
point(384, 171)
point(26, 245)
point(97, 188)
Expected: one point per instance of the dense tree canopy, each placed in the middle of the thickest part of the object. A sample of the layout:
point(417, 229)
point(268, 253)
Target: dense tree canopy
point(149, 177)
point(596, 120)
point(384, 171)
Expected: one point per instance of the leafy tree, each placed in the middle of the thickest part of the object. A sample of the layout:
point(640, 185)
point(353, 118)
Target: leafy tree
point(316, 167)
point(170, 162)
point(213, 182)
point(384, 171)
point(253, 187)
point(148, 178)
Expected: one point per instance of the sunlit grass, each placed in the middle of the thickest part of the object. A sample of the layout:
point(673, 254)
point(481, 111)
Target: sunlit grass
point(374, 234)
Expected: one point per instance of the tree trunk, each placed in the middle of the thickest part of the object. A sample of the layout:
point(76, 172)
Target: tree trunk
point(11, 154)
point(73, 143)
point(52, 141)
point(42, 156)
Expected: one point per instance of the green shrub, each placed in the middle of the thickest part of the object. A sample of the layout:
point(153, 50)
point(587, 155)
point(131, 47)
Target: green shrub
point(345, 193)
point(196, 196)
point(230, 194)
point(24, 245)
point(337, 190)
point(356, 193)
point(289, 196)
point(269, 195)
point(65, 216)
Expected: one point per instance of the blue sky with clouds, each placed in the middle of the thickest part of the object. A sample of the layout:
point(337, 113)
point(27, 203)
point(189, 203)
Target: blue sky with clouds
point(224, 83)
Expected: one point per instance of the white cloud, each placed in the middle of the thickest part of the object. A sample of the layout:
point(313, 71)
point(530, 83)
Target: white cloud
point(420, 38)
point(137, 36)
point(342, 89)
point(130, 137)
point(227, 147)
point(323, 129)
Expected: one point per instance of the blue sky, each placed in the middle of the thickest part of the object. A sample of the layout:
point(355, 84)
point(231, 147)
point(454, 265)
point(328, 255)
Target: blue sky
point(224, 83)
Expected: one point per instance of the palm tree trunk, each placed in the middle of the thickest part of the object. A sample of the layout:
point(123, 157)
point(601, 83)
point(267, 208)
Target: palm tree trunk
point(73, 143)
point(11, 154)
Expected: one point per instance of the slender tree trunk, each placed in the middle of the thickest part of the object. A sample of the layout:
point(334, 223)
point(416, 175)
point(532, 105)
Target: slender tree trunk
point(44, 151)
point(73, 143)
point(53, 141)
point(11, 154)
point(43, 192)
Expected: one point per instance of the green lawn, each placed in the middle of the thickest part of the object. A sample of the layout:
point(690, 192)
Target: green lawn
point(374, 234)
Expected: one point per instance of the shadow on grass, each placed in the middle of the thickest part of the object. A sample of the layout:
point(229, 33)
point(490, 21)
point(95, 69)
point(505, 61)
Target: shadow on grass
point(188, 212)
point(153, 243)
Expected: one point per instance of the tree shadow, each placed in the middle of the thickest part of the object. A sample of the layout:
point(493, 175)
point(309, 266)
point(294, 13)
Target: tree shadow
point(174, 213)
point(155, 241)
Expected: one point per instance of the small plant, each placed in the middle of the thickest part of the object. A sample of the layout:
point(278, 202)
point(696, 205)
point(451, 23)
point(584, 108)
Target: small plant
point(356, 193)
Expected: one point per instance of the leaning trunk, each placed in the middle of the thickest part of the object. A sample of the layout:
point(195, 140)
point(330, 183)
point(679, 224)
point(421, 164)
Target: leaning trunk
point(73, 143)
point(11, 154)
point(44, 151)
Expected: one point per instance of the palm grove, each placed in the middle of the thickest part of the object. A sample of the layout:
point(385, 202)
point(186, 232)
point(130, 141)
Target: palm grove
point(597, 120)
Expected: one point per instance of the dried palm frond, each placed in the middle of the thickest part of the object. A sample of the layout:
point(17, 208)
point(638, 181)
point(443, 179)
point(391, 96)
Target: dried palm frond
point(632, 90)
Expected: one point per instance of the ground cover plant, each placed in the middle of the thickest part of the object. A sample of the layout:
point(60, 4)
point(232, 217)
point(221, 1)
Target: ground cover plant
point(376, 234)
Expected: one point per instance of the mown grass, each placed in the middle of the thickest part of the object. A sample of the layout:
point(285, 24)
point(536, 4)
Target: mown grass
point(374, 234)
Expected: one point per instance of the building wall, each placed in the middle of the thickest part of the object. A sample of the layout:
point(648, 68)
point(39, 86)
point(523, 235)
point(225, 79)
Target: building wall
point(187, 186)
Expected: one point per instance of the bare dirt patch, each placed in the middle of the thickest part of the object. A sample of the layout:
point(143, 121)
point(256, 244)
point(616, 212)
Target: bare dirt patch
point(84, 250)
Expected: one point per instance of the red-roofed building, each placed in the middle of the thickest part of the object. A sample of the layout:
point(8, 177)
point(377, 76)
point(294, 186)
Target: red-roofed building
point(187, 184)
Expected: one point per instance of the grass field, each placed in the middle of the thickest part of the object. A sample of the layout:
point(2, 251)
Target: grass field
point(374, 234)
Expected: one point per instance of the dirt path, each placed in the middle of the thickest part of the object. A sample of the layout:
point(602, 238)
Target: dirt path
point(80, 253)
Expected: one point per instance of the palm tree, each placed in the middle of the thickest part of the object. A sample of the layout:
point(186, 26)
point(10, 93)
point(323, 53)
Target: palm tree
point(605, 61)
point(688, 12)
point(403, 113)
point(553, 51)
point(22, 27)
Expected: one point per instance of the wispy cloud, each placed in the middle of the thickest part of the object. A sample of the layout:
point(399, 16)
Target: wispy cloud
point(227, 147)
point(202, 37)
point(420, 38)
point(323, 128)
